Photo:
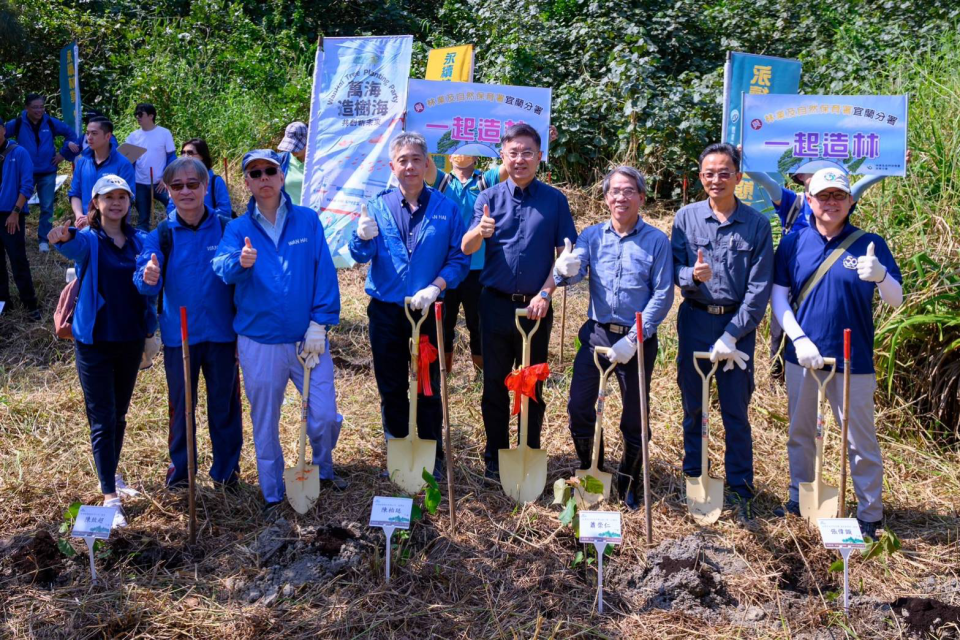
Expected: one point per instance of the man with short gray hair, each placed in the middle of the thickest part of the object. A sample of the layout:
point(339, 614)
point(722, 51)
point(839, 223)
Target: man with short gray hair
point(631, 269)
point(418, 256)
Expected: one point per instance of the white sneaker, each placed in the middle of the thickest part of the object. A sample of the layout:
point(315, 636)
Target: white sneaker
point(119, 518)
point(122, 489)
point(44, 247)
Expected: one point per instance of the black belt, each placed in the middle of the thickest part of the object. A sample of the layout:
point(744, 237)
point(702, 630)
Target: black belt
point(618, 329)
point(512, 297)
point(713, 309)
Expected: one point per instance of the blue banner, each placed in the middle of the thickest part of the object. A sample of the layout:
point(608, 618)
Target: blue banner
point(468, 119)
point(750, 74)
point(359, 95)
point(865, 134)
point(70, 86)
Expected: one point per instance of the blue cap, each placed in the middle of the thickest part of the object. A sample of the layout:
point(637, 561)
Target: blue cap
point(260, 154)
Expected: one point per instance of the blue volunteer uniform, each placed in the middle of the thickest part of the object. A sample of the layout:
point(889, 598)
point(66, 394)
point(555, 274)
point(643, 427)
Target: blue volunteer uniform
point(188, 280)
point(217, 198)
point(531, 224)
point(87, 171)
point(408, 254)
point(16, 179)
point(292, 282)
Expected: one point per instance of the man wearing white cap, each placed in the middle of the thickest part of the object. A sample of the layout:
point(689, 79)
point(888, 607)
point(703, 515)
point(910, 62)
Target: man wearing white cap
point(839, 297)
point(293, 152)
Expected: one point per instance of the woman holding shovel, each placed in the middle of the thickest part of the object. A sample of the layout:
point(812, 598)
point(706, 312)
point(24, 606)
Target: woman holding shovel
point(631, 269)
point(111, 322)
point(824, 281)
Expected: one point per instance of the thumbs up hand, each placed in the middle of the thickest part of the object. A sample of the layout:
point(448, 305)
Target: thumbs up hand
point(701, 270)
point(487, 224)
point(568, 264)
point(248, 255)
point(60, 233)
point(869, 268)
point(367, 228)
point(151, 272)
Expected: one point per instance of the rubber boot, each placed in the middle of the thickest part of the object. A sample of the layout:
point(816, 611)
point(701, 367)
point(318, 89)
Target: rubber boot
point(584, 448)
point(629, 479)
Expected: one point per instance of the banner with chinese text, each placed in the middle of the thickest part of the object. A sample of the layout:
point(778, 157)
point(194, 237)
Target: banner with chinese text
point(865, 134)
point(359, 95)
point(450, 64)
point(70, 86)
point(469, 118)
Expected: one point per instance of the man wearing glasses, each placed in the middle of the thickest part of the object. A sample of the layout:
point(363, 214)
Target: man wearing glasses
point(176, 263)
point(285, 300)
point(842, 299)
point(160, 151)
point(723, 264)
point(522, 224)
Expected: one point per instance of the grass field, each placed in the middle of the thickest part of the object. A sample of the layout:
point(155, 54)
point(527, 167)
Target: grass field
point(505, 572)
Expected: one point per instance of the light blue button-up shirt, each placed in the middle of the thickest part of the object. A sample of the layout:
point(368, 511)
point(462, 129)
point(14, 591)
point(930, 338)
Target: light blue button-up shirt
point(273, 230)
point(628, 273)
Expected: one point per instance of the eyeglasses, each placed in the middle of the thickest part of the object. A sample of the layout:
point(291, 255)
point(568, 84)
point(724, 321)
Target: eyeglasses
point(256, 173)
point(193, 185)
point(827, 196)
point(710, 175)
point(626, 193)
point(526, 155)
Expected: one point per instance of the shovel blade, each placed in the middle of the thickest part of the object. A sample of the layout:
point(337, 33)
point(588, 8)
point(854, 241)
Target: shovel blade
point(523, 473)
point(818, 500)
point(302, 486)
point(705, 499)
point(406, 460)
point(586, 500)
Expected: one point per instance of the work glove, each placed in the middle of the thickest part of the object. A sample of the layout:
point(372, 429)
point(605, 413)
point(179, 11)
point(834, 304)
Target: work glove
point(315, 339)
point(367, 228)
point(807, 353)
point(622, 350)
point(567, 265)
point(309, 359)
point(869, 268)
point(726, 349)
point(151, 347)
point(425, 297)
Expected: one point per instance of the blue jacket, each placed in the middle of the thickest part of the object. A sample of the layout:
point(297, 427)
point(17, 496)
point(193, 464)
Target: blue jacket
point(216, 191)
point(86, 174)
point(17, 177)
point(395, 274)
point(84, 248)
point(289, 285)
point(190, 282)
point(40, 144)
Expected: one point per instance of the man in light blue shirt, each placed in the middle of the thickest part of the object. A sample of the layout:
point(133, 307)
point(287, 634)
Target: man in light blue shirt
point(631, 270)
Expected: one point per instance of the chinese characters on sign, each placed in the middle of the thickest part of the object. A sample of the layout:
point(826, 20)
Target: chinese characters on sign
point(70, 87)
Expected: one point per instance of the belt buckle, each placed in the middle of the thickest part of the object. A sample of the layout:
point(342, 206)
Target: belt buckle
point(715, 309)
point(617, 329)
point(518, 297)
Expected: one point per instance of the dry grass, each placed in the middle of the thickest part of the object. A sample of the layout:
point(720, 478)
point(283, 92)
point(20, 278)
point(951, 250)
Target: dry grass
point(505, 572)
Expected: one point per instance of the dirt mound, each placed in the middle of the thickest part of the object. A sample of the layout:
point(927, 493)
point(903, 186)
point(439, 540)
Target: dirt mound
point(143, 553)
point(926, 616)
point(37, 559)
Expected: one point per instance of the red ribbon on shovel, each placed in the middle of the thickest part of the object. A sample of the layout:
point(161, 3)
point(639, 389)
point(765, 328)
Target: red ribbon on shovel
point(428, 354)
point(523, 382)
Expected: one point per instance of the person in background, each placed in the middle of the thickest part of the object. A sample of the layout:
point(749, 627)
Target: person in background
point(160, 151)
point(111, 322)
point(217, 197)
point(293, 150)
point(100, 158)
point(36, 131)
point(16, 185)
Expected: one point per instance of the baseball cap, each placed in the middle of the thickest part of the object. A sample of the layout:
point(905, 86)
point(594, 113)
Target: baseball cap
point(827, 179)
point(260, 154)
point(108, 183)
point(294, 137)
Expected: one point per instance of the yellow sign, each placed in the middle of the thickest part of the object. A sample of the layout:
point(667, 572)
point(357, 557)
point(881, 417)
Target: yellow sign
point(454, 64)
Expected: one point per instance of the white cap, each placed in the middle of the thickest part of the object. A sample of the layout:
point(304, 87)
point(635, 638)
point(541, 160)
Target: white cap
point(827, 179)
point(108, 183)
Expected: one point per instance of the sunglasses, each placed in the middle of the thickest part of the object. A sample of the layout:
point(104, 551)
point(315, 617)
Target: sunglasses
point(178, 186)
point(833, 195)
point(256, 173)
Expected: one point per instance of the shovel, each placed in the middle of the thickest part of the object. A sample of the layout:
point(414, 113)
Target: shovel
point(584, 499)
point(704, 494)
point(818, 499)
point(302, 482)
point(523, 471)
point(408, 457)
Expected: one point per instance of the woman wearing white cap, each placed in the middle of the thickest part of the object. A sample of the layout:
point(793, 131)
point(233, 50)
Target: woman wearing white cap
point(111, 321)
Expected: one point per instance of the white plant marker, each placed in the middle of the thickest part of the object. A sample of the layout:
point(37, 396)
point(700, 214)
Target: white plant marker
point(600, 528)
point(844, 535)
point(93, 523)
point(390, 514)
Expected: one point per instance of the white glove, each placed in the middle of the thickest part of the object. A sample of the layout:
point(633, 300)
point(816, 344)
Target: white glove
point(151, 347)
point(869, 268)
point(315, 340)
point(567, 265)
point(807, 353)
point(622, 350)
point(366, 226)
point(726, 349)
point(425, 297)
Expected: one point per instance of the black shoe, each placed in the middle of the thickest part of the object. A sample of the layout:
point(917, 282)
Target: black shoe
point(439, 471)
point(792, 507)
point(629, 481)
point(271, 510)
point(584, 449)
point(336, 483)
point(869, 528)
point(492, 474)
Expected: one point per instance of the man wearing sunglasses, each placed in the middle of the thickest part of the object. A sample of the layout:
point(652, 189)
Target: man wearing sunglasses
point(286, 295)
point(160, 151)
point(176, 263)
point(841, 299)
point(723, 264)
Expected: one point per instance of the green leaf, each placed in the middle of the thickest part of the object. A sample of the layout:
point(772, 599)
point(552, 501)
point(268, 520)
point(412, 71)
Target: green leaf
point(416, 513)
point(566, 516)
point(561, 491)
point(831, 596)
point(837, 566)
point(592, 485)
point(70, 515)
point(577, 559)
point(430, 480)
point(431, 499)
point(66, 548)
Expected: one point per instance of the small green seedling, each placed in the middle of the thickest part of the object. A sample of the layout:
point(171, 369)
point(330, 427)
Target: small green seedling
point(69, 518)
point(563, 494)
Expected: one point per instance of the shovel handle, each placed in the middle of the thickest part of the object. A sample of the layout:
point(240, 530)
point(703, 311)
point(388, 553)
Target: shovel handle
point(704, 355)
point(604, 372)
point(527, 337)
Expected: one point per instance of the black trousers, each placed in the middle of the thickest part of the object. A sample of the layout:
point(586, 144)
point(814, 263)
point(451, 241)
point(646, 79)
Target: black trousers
point(467, 295)
point(502, 348)
point(390, 334)
point(585, 384)
point(14, 247)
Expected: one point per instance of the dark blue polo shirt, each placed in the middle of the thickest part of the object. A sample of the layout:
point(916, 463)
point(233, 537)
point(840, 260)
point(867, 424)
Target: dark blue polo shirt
point(531, 224)
point(840, 301)
point(121, 318)
point(407, 223)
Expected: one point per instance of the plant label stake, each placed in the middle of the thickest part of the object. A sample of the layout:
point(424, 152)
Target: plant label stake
point(390, 514)
point(93, 523)
point(191, 441)
point(844, 535)
point(600, 528)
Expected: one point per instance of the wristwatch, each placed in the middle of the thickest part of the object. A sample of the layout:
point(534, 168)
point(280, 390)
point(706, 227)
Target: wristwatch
point(546, 296)
point(16, 210)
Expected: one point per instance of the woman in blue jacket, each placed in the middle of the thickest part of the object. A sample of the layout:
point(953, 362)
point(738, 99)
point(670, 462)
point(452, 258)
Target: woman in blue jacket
point(111, 321)
point(218, 196)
